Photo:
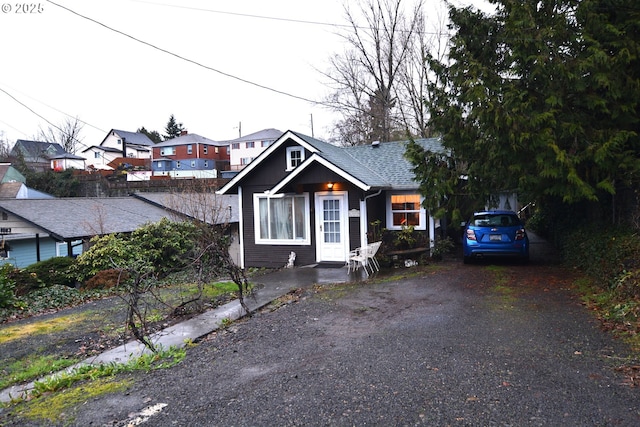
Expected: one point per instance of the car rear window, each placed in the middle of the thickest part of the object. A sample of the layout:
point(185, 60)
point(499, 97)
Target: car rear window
point(495, 220)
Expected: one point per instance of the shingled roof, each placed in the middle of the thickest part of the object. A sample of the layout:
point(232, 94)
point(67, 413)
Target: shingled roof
point(79, 217)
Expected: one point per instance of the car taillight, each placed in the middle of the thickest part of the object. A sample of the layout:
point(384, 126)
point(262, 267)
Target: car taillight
point(471, 235)
point(520, 234)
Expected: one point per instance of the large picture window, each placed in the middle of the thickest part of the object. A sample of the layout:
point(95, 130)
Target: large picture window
point(282, 219)
point(405, 210)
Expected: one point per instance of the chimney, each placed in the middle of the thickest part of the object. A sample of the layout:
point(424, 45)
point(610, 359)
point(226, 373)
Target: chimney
point(183, 132)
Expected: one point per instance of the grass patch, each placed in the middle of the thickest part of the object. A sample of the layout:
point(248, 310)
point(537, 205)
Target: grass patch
point(617, 314)
point(42, 327)
point(500, 274)
point(58, 407)
point(32, 367)
point(64, 380)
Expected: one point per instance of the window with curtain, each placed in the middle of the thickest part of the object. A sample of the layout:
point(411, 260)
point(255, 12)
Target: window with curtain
point(282, 219)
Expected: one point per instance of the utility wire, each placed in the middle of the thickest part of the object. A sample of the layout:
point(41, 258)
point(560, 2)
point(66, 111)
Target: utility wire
point(54, 108)
point(42, 117)
point(184, 58)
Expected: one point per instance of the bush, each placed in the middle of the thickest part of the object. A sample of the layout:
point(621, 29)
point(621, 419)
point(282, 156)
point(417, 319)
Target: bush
point(7, 287)
point(603, 253)
point(54, 271)
point(25, 281)
point(106, 279)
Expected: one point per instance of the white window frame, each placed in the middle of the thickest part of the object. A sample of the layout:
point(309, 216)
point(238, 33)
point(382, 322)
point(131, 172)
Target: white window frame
point(167, 151)
point(290, 151)
point(206, 164)
point(421, 210)
point(193, 164)
point(61, 248)
point(251, 144)
point(189, 148)
point(205, 149)
point(267, 241)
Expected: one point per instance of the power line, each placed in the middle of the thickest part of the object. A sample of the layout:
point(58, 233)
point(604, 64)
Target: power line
point(247, 15)
point(42, 117)
point(54, 108)
point(184, 58)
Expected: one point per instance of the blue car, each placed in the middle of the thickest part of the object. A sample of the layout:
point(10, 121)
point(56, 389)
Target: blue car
point(495, 233)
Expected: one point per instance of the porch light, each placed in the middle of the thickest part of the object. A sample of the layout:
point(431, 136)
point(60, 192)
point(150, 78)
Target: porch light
point(330, 185)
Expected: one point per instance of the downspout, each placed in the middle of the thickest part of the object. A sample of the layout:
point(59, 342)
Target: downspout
point(363, 214)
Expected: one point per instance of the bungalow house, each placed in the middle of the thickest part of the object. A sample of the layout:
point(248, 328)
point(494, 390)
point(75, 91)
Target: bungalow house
point(118, 143)
point(33, 230)
point(190, 156)
point(318, 200)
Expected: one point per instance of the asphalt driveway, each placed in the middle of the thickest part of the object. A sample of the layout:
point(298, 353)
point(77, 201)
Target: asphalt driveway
point(453, 345)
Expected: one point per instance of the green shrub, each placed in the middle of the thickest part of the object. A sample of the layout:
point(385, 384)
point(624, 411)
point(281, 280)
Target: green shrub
point(7, 287)
point(54, 271)
point(603, 253)
point(25, 281)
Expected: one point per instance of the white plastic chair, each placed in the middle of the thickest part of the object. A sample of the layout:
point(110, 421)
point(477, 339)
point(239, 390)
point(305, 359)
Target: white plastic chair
point(359, 257)
point(372, 250)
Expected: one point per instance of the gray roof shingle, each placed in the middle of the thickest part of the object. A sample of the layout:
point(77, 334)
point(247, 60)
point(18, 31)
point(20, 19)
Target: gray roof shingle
point(382, 165)
point(79, 217)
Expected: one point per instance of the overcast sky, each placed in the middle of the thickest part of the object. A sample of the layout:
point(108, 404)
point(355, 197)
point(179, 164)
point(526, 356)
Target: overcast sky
point(59, 64)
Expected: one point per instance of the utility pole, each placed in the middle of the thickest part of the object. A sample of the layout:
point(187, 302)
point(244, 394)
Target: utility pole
point(312, 136)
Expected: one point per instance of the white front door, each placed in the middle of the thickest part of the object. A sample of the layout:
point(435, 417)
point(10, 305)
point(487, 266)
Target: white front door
point(332, 236)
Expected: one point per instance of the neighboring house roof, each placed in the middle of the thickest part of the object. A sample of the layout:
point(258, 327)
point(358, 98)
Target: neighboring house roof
point(376, 166)
point(34, 150)
point(105, 149)
point(35, 194)
point(9, 174)
point(264, 134)
point(13, 190)
point(200, 205)
point(74, 218)
point(190, 138)
point(134, 138)
point(67, 156)
point(78, 217)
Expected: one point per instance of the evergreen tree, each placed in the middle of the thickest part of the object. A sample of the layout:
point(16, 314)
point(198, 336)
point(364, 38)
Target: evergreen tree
point(173, 129)
point(152, 135)
point(540, 97)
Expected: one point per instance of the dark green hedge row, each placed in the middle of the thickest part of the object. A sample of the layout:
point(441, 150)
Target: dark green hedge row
point(611, 256)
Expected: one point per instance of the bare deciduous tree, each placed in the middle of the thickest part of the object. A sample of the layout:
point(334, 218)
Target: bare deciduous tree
point(366, 77)
point(417, 80)
point(67, 134)
point(5, 150)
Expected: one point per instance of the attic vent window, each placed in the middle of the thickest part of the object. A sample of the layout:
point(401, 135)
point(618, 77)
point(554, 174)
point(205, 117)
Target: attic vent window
point(295, 156)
